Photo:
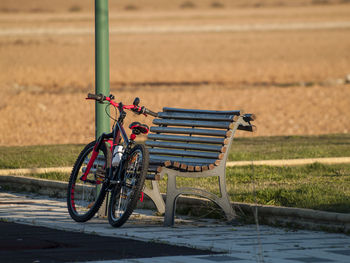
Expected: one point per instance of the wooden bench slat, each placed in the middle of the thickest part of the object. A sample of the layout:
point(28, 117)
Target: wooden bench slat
point(183, 166)
point(165, 137)
point(221, 133)
point(190, 168)
point(195, 116)
point(154, 169)
point(189, 161)
point(153, 176)
point(158, 162)
point(211, 166)
point(184, 153)
point(167, 163)
point(250, 128)
point(168, 109)
point(249, 117)
point(205, 124)
point(175, 145)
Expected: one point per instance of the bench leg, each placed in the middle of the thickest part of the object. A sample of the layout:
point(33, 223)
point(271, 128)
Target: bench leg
point(171, 195)
point(225, 203)
point(155, 196)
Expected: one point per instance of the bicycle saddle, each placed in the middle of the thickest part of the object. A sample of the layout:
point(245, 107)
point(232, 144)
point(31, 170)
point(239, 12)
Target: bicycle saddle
point(138, 128)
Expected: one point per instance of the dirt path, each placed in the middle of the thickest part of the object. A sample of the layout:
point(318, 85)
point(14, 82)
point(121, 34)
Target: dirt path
point(176, 29)
point(287, 162)
point(291, 162)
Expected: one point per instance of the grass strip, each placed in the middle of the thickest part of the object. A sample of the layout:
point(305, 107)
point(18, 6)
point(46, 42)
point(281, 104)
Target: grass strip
point(316, 186)
point(243, 149)
point(15, 157)
point(290, 147)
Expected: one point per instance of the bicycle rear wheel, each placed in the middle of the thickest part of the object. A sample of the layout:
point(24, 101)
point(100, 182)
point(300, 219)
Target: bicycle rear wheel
point(84, 197)
point(125, 195)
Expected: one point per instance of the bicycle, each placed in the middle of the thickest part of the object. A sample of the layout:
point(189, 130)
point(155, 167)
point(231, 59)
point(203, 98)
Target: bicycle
point(122, 173)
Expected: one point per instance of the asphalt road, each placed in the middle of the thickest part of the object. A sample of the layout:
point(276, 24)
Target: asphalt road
point(25, 243)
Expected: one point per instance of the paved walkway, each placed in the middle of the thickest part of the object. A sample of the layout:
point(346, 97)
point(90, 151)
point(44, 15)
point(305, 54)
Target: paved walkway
point(235, 244)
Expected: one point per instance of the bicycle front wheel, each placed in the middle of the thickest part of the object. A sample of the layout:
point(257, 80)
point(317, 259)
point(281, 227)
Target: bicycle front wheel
point(85, 195)
point(125, 195)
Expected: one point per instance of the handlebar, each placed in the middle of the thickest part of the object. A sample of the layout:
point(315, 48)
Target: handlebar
point(99, 97)
point(135, 108)
point(152, 113)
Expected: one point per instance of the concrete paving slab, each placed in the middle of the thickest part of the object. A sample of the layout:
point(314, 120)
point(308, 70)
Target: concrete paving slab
point(235, 243)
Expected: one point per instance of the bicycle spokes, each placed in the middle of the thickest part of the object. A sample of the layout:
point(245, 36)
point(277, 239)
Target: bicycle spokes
point(86, 182)
point(124, 198)
point(126, 194)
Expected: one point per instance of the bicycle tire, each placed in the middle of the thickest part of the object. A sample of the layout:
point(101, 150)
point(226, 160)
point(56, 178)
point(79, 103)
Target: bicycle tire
point(83, 210)
point(125, 195)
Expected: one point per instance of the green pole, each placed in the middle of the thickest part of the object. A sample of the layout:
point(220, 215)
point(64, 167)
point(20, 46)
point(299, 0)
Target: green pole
point(101, 64)
point(102, 123)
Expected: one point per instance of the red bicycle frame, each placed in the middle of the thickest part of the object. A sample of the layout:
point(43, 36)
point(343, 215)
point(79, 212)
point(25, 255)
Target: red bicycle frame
point(117, 131)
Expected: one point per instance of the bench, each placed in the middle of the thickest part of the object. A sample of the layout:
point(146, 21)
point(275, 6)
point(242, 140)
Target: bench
point(191, 143)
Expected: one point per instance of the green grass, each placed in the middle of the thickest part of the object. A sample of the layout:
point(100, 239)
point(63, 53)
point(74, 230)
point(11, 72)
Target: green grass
point(290, 147)
point(257, 148)
point(38, 156)
point(315, 186)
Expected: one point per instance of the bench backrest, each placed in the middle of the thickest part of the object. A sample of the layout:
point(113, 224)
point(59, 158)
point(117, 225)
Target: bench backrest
point(191, 140)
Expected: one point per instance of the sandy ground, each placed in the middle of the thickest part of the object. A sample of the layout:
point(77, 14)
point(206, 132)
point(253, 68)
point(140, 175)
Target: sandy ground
point(287, 65)
point(49, 118)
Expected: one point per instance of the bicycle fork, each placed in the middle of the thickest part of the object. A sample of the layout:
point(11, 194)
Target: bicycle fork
point(94, 155)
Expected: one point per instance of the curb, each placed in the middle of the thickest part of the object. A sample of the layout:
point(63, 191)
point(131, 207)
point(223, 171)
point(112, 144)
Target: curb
point(28, 184)
point(272, 215)
point(298, 217)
